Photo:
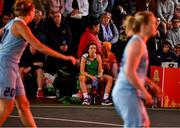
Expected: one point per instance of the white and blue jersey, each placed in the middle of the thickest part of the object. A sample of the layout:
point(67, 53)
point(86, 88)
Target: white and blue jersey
point(11, 49)
point(125, 96)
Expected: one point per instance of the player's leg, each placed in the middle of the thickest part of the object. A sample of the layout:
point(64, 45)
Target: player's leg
point(128, 106)
point(22, 104)
point(25, 114)
point(6, 108)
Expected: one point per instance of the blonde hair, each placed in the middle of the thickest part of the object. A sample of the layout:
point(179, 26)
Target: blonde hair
point(23, 7)
point(108, 45)
point(133, 23)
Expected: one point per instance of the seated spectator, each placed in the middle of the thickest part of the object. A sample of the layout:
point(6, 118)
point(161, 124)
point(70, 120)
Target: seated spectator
point(173, 35)
point(155, 42)
point(164, 54)
point(32, 62)
point(108, 30)
point(177, 52)
point(55, 6)
point(58, 32)
point(4, 19)
point(37, 26)
point(165, 11)
point(160, 33)
point(97, 8)
point(90, 35)
point(91, 70)
point(41, 5)
point(110, 65)
point(177, 11)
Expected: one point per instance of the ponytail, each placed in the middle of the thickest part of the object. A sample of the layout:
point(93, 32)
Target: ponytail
point(23, 7)
point(133, 23)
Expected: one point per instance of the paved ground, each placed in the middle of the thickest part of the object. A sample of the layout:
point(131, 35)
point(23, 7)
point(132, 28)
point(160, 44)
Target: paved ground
point(56, 115)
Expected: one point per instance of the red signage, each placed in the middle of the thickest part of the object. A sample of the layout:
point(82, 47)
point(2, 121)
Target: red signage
point(169, 80)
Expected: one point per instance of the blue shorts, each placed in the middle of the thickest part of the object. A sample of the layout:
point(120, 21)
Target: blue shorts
point(11, 84)
point(131, 108)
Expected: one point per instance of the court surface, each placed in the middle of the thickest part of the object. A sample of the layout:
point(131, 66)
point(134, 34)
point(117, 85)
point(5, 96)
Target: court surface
point(57, 115)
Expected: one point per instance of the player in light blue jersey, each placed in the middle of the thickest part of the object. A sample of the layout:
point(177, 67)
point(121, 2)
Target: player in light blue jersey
point(129, 88)
point(15, 36)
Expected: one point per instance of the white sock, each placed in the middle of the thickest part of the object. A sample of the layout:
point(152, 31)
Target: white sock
point(106, 95)
point(85, 95)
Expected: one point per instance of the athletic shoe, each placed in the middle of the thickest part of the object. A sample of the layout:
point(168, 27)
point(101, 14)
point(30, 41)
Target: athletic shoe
point(39, 94)
point(87, 101)
point(106, 102)
point(78, 95)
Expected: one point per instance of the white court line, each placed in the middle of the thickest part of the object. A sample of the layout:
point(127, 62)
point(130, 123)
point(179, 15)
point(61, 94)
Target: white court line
point(74, 106)
point(98, 107)
point(76, 121)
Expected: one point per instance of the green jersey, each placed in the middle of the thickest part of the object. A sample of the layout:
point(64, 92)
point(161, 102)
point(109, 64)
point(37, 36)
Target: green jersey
point(91, 67)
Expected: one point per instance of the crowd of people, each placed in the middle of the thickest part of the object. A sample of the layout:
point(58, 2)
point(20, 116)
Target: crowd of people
point(92, 31)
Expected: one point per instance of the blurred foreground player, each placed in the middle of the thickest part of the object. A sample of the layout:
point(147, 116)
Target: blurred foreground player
point(129, 88)
point(15, 36)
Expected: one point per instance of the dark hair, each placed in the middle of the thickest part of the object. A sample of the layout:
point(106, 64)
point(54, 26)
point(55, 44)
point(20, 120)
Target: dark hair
point(23, 7)
point(92, 22)
point(166, 43)
point(133, 23)
point(89, 44)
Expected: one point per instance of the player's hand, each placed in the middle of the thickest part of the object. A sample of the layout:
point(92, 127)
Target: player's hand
point(72, 59)
point(28, 69)
point(156, 90)
point(93, 78)
point(148, 98)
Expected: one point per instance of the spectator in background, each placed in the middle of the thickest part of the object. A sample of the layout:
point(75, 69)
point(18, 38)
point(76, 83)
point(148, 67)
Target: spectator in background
point(97, 8)
point(177, 52)
point(40, 5)
point(4, 19)
point(177, 11)
point(109, 61)
point(173, 35)
point(77, 11)
point(32, 62)
point(108, 30)
point(110, 5)
point(38, 26)
point(58, 34)
point(58, 31)
point(165, 12)
point(91, 70)
point(127, 5)
point(154, 43)
point(118, 13)
point(164, 54)
point(90, 35)
point(55, 6)
point(146, 5)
